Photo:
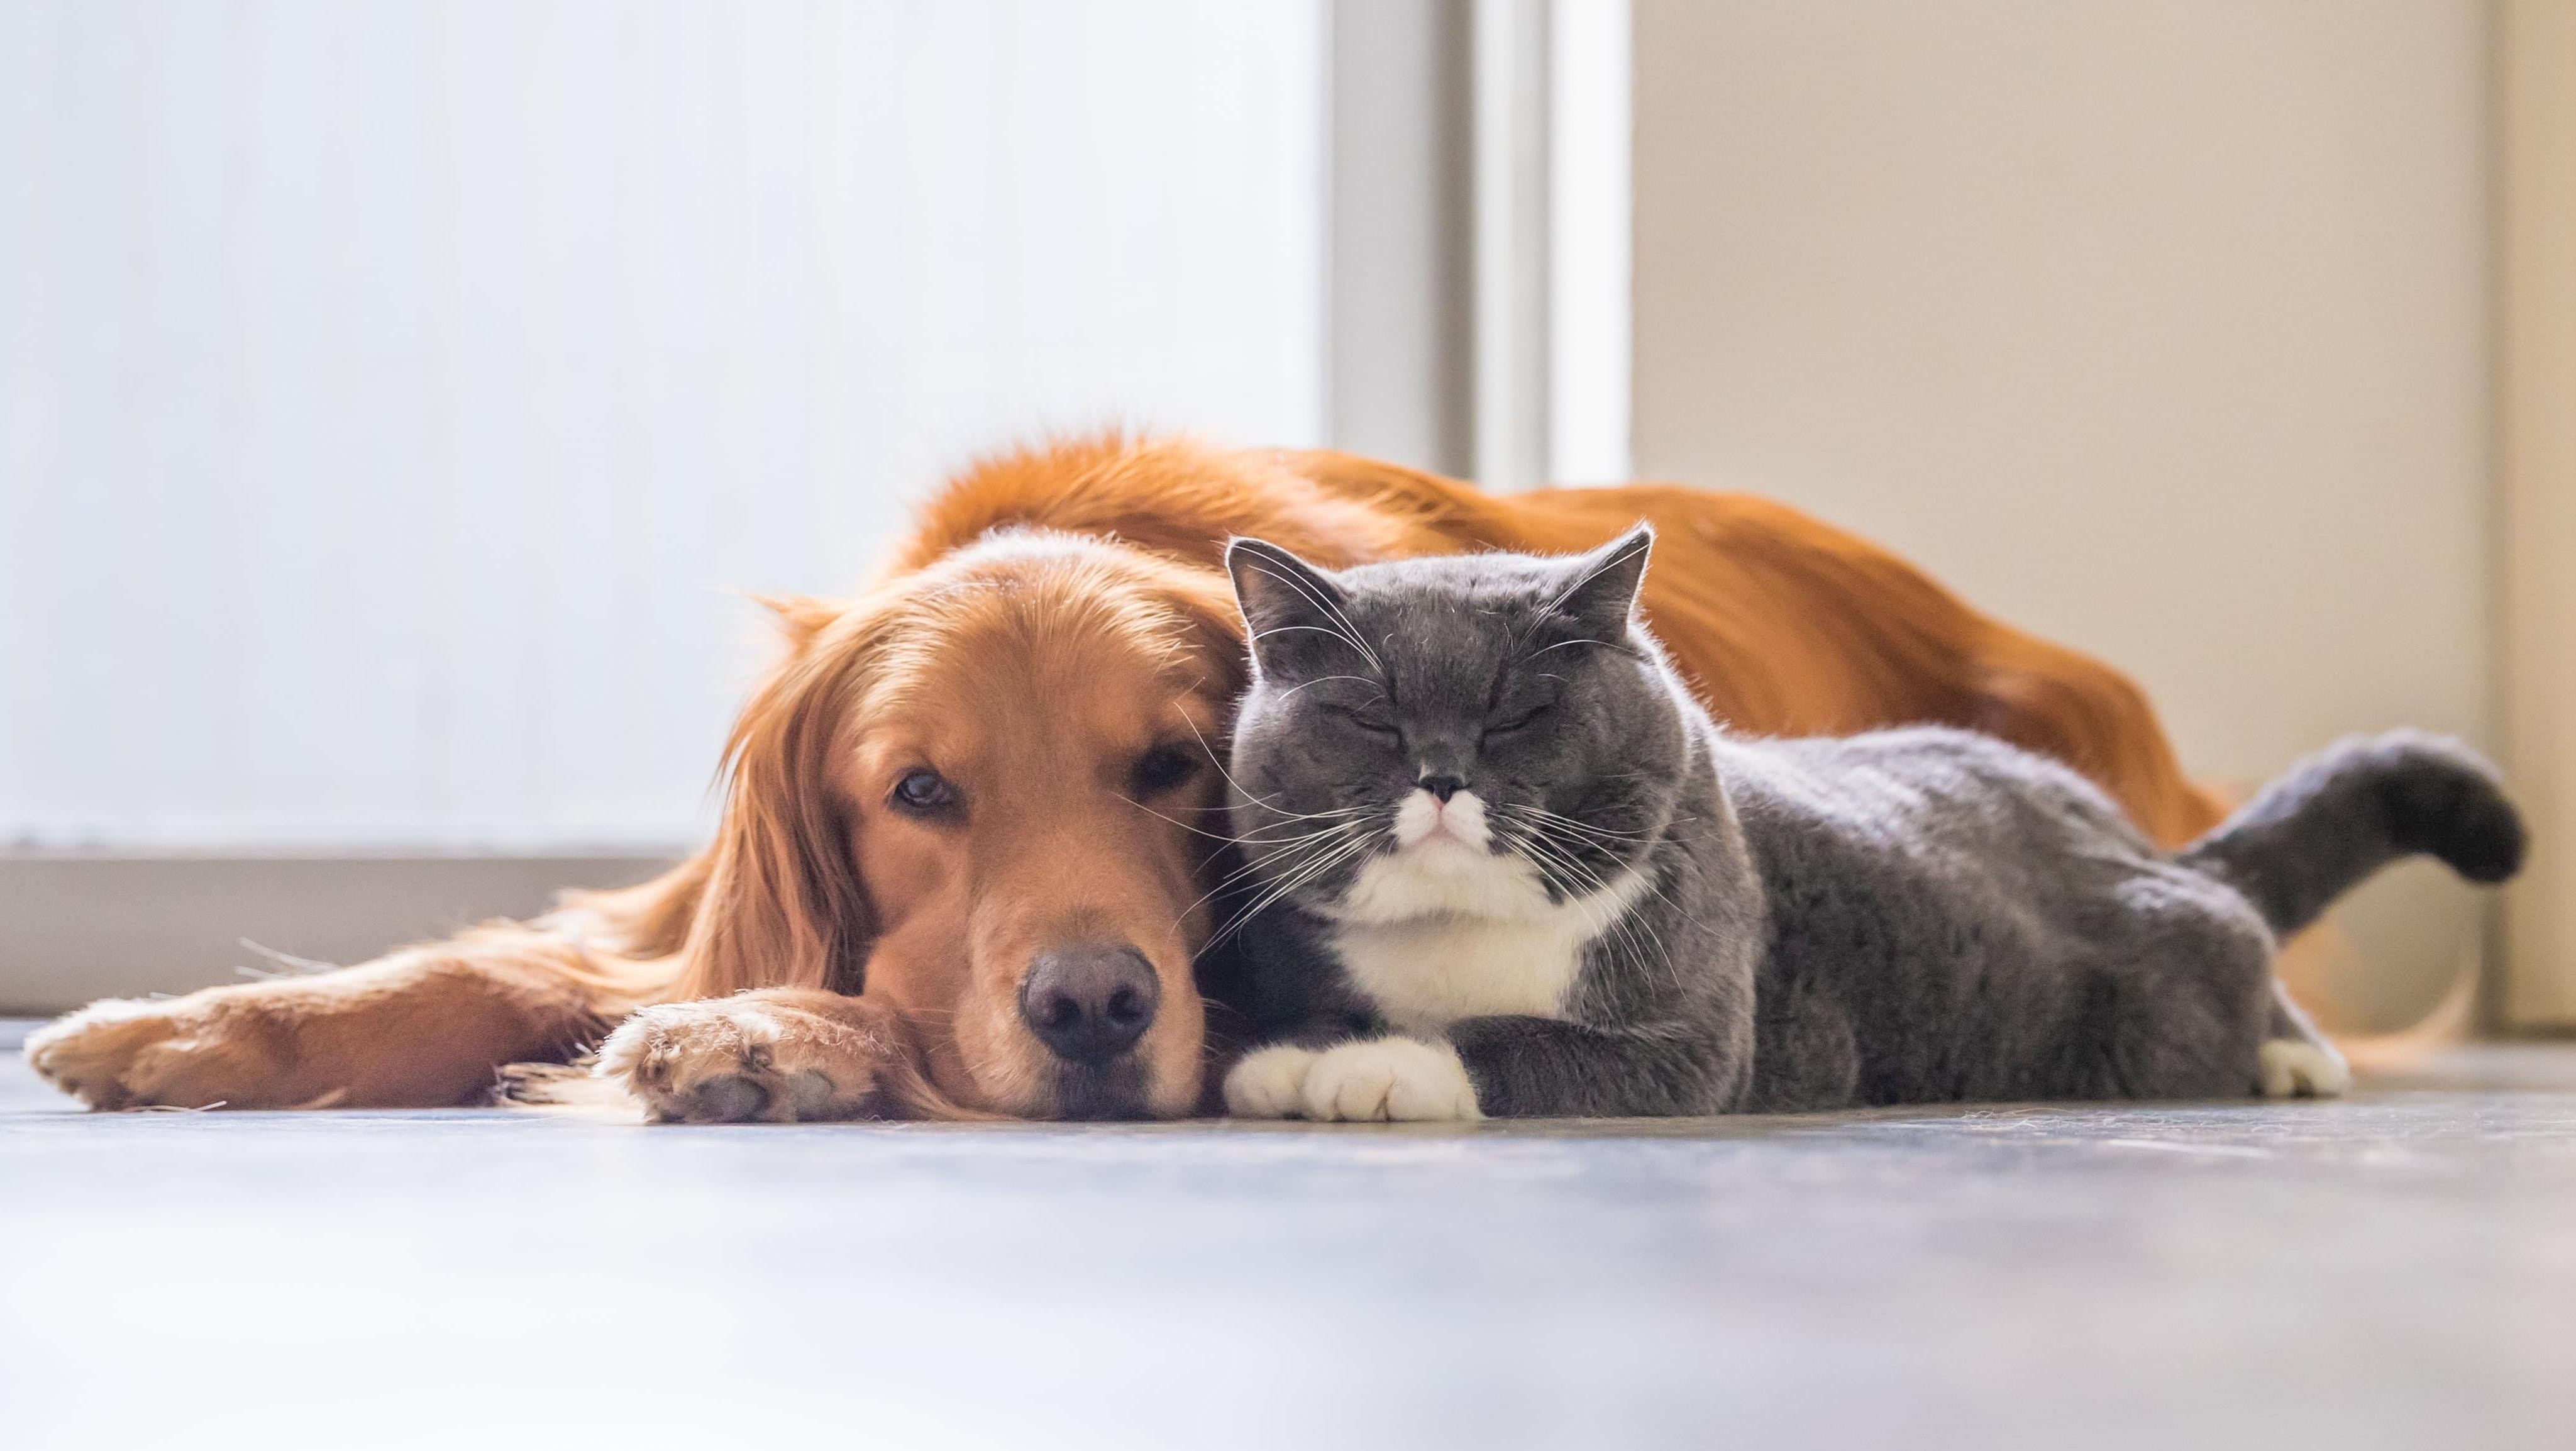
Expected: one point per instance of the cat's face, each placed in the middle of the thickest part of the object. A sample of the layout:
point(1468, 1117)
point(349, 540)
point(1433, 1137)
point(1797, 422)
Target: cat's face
point(1482, 735)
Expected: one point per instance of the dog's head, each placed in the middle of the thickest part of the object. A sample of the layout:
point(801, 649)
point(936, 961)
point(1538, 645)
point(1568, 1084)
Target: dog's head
point(986, 792)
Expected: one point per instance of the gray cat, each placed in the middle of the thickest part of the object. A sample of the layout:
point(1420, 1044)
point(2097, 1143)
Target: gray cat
point(1501, 862)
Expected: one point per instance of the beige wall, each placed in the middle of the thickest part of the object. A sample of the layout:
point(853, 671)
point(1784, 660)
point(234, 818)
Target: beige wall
point(2536, 458)
point(2156, 327)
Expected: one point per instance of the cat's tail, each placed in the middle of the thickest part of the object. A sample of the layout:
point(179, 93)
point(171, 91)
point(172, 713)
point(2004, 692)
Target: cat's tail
point(2356, 806)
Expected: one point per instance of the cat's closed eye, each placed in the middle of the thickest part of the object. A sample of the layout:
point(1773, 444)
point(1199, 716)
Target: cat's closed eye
point(1368, 718)
point(1511, 723)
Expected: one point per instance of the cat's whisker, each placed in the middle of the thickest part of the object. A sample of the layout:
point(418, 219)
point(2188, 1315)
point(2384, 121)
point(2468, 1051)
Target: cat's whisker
point(1264, 800)
point(1276, 855)
point(1567, 822)
point(1213, 756)
point(1541, 813)
point(1574, 848)
point(1273, 849)
point(1551, 860)
point(1622, 927)
point(1253, 867)
point(1285, 886)
point(1596, 882)
point(1315, 863)
point(1578, 826)
point(1339, 814)
point(1567, 865)
point(1293, 820)
point(1272, 845)
point(1183, 825)
point(1248, 793)
point(1284, 855)
point(1256, 839)
point(1538, 814)
point(1254, 862)
point(1548, 857)
point(1302, 826)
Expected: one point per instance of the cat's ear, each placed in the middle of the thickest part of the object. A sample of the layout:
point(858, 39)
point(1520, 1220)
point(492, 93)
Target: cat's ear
point(1285, 601)
point(1603, 594)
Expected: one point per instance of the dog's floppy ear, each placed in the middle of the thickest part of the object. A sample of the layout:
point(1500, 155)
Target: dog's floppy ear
point(1212, 628)
point(783, 904)
point(1290, 608)
point(799, 617)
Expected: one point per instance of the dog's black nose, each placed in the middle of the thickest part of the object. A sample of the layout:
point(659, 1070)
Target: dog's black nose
point(1443, 787)
point(1090, 1004)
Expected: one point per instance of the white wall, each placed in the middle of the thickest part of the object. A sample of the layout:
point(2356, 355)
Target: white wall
point(2155, 326)
point(391, 394)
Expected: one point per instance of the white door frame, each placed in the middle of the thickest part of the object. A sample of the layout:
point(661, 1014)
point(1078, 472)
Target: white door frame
point(1550, 240)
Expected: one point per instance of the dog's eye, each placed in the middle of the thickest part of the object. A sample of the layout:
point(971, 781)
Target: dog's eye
point(1163, 768)
point(924, 792)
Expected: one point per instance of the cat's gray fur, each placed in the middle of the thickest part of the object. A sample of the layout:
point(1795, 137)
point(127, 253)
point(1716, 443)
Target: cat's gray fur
point(1906, 916)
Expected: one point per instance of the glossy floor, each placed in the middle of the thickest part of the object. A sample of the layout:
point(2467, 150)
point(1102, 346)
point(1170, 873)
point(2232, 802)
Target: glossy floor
point(2395, 1270)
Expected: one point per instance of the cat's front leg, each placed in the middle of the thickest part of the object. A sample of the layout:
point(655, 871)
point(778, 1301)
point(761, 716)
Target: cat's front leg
point(1270, 1082)
point(2297, 1061)
point(1547, 1068)
point(1391, 1079)
point(1493, 1066)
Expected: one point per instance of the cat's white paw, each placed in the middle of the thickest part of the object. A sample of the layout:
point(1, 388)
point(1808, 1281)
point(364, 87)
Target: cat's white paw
point(1270, 1083)
point(2293, 1068)
point(1389, 1078)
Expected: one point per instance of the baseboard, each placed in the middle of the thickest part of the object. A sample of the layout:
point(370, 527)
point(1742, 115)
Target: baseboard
point(74, 928)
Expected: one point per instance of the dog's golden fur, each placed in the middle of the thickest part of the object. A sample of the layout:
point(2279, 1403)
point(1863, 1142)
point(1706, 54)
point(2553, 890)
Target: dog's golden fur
point(1056, 615)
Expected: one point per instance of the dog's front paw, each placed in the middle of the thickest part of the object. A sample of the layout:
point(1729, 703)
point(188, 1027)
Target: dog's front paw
point(2295, 1068)
point(1388, 1078)
point(190, 1052)
point(751, 1059)
point(1270, 1083)
point(88, 1053)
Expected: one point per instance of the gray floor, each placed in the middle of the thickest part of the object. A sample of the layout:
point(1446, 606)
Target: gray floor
point(2395, 1270)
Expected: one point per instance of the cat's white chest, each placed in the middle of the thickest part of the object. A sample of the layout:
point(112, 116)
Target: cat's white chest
point(1444, 931)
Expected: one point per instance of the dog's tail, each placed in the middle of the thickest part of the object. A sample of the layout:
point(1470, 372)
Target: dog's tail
point(2356, 806)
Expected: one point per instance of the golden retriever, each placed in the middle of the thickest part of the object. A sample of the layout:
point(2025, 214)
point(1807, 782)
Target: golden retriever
point(970, 828)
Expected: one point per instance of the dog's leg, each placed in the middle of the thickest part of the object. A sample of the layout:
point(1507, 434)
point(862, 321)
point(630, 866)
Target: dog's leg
point(779, 1055)
point(423, 1027)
